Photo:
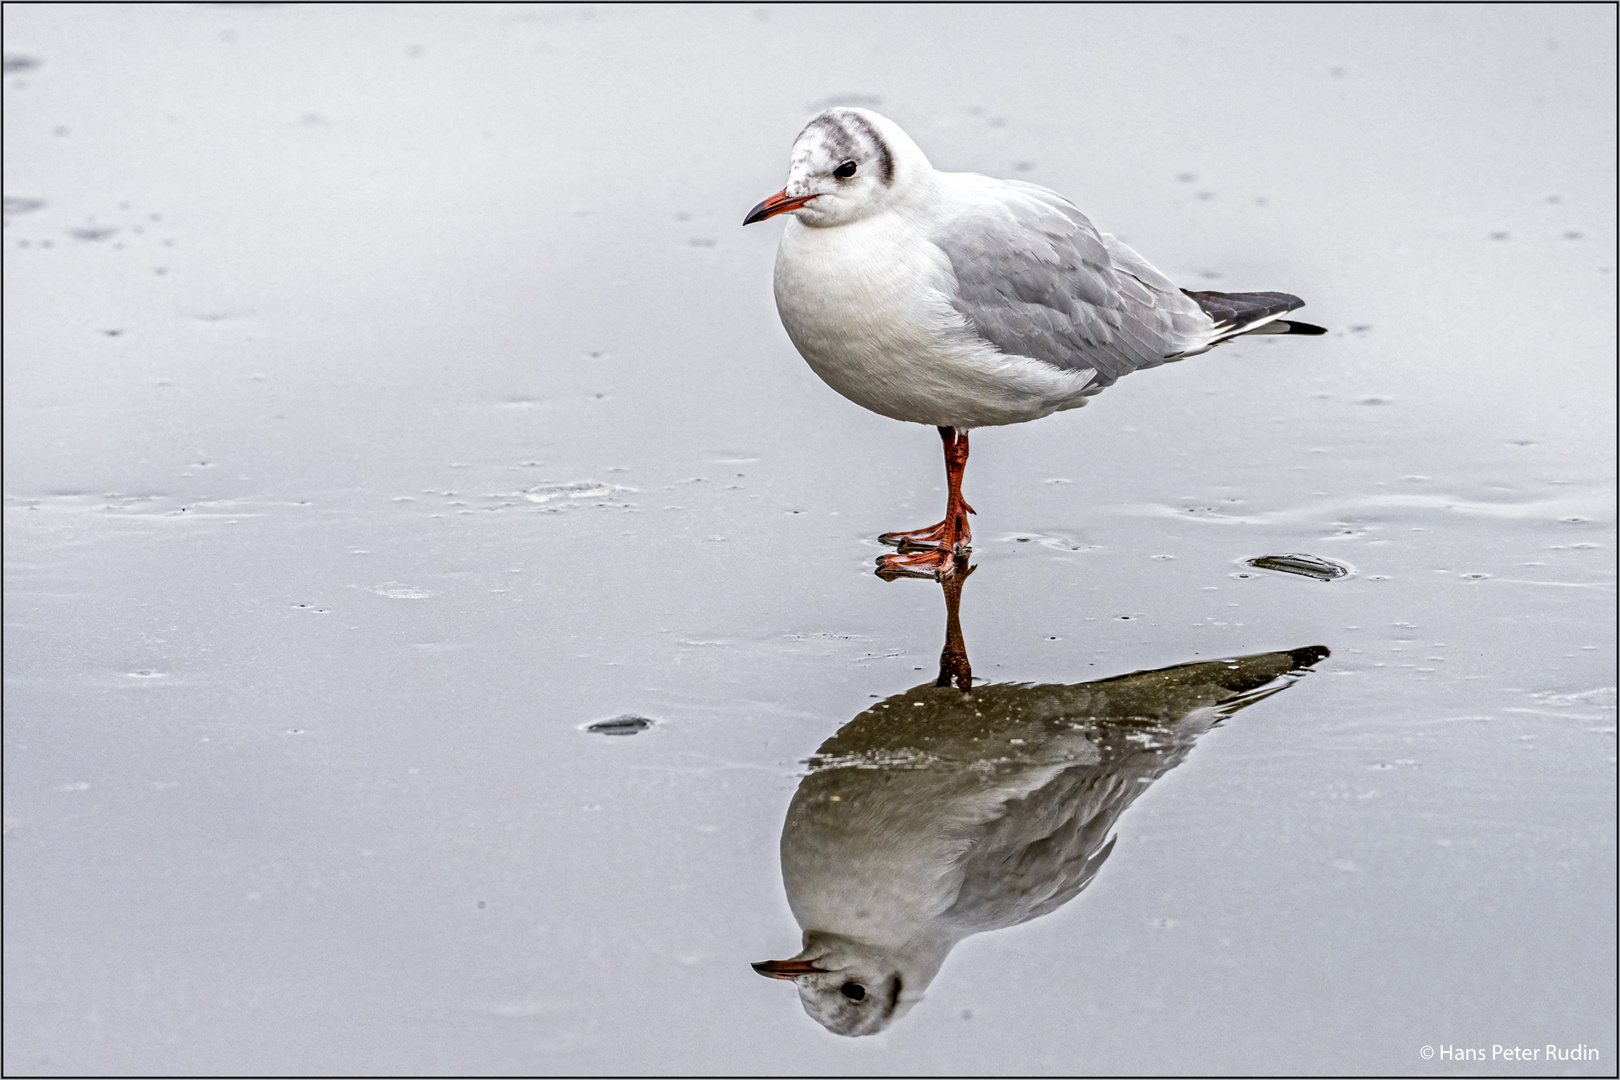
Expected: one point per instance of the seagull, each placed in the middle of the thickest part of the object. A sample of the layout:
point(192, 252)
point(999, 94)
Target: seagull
point(962, 301)
point(937, 814)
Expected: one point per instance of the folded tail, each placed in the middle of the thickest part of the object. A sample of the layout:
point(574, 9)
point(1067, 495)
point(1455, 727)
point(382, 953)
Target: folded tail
point(1252, 313)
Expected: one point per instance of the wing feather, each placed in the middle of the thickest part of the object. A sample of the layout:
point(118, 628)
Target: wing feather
point(1045, 847)
point(1034, 278)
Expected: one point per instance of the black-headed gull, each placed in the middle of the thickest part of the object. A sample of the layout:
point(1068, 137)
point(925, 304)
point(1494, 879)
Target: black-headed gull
point(962, 301)
point(936, 815)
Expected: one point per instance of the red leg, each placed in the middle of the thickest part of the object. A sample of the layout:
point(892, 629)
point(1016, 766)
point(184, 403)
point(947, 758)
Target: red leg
point(954, 668)
point(931, 552)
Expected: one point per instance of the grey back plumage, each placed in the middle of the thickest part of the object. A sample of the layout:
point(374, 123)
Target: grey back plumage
point(1035, 278)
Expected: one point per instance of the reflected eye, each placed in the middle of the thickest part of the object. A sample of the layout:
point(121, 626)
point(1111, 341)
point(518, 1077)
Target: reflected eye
point(853, 990)
point(844, 172)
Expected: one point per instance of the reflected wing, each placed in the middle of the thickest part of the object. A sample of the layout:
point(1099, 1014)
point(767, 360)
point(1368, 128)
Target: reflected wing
point(1025, 780)
point(1036, 279)
point(1048, 845)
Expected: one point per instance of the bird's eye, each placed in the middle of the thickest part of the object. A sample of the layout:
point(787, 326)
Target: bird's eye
point(844, 172)
point(853, 990)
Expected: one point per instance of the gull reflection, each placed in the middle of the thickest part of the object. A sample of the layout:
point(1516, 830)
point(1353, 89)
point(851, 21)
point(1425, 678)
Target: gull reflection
point(947, 811)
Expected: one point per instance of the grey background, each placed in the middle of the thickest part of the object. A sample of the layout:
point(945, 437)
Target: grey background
point(391, 391)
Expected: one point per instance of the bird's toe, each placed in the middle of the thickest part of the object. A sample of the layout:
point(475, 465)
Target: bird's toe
point(925, 563)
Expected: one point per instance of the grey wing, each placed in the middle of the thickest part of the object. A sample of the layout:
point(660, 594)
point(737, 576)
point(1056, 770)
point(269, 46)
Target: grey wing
point(1046, 846)
point(1043, 851)
point(1035, 278)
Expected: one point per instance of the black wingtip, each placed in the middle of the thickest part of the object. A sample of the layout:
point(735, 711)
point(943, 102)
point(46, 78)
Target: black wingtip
point(1245, 309)
point(1310, 654)
point(1305, 328)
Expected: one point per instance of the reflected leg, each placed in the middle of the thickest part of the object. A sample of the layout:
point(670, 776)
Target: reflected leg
point(954, 668)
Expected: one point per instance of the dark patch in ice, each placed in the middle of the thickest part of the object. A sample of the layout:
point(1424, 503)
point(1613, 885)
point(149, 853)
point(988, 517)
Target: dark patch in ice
point(1304, 565)
point(16, 63)
point(628, 724)
point(16, 204)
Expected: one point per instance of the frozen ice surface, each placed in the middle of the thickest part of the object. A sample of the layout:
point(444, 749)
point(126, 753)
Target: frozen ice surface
point(390, 393)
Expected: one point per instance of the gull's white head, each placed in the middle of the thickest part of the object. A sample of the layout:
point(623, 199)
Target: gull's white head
point(853, 987)
point(847, 164)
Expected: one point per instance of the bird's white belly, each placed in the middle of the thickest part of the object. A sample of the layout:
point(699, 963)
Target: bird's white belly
point(865, 304)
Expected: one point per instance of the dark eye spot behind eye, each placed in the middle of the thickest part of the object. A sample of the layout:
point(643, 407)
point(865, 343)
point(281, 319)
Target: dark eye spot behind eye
point(853, 990)
point(844, 172)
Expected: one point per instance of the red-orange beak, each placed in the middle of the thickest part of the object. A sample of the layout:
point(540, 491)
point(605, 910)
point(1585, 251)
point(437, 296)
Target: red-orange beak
point(786, 969)
point(780, 203)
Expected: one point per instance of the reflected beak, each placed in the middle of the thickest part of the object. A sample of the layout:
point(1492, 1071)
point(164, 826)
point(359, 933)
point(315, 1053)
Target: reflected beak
point(780, 203)
point(786, 969)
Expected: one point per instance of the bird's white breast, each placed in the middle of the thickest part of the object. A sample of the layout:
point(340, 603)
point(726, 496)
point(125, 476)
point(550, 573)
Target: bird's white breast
point(867, 305)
